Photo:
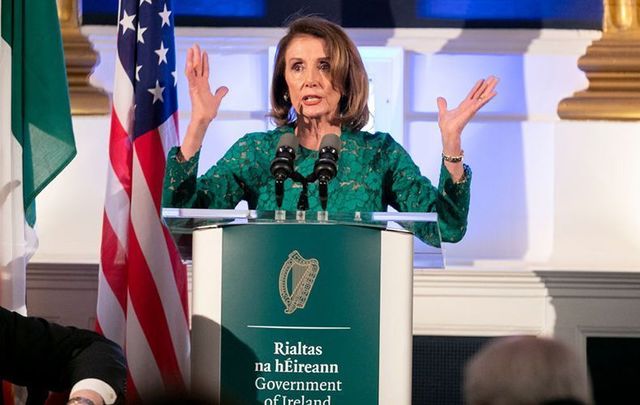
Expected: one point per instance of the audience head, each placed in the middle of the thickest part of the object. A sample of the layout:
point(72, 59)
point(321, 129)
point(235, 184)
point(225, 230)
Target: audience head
point(526, 370)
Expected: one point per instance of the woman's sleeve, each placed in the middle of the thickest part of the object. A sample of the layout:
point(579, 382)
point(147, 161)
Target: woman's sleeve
point(220, 187)
point(412, 192)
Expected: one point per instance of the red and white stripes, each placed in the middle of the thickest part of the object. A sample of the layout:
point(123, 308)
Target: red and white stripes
point(142, 298)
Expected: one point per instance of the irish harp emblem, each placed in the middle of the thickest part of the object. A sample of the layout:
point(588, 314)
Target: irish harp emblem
point(295, 290)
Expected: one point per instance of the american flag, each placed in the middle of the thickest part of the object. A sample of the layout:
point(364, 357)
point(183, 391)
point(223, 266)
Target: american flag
point(142, 297)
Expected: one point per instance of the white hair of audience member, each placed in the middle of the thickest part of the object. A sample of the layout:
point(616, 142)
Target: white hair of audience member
point(526, 370)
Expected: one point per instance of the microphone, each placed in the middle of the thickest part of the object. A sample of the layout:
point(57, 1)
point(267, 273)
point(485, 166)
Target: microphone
point(282, 164)
point(326, 166)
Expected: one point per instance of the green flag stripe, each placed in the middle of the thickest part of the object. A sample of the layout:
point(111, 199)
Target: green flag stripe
point(41, 114)
point(5, 20)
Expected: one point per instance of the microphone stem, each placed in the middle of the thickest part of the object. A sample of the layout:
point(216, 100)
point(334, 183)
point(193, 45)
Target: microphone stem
point(303, 201)
point(323, 192)
point(279, 192)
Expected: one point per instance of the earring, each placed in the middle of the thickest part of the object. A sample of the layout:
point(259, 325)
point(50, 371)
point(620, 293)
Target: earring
point(286, 97)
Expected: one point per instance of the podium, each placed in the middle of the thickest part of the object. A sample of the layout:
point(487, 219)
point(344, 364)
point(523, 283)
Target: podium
point(299, 311)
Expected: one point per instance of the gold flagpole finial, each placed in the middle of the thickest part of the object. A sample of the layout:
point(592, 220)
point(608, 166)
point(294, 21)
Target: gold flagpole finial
point(612, 66)
point(80, 59)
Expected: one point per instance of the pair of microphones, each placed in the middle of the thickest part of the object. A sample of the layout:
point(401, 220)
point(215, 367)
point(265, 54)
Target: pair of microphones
point(324, 169)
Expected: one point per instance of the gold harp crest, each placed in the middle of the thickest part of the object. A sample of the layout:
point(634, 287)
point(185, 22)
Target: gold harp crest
point(303, 274)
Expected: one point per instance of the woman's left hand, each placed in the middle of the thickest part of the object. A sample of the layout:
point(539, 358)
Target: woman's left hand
point(452, 122)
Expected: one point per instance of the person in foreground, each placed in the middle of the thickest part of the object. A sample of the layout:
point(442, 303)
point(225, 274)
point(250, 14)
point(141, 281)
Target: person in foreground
point(320, 87)
point(526, 370)
point(47, 357)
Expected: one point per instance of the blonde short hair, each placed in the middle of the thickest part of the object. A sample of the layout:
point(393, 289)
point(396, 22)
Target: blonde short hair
point(348, 75)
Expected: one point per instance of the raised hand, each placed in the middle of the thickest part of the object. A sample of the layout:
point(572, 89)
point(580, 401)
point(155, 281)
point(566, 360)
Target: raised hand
point(204, 103)
point(452, 122)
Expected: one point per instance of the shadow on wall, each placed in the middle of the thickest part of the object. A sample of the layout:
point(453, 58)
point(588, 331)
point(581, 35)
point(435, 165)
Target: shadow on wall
point(494, 144)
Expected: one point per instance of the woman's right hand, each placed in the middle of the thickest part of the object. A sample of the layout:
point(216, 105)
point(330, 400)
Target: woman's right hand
point(204, 104)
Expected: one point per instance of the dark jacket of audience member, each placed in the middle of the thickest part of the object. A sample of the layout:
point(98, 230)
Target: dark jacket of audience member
point(44, 356)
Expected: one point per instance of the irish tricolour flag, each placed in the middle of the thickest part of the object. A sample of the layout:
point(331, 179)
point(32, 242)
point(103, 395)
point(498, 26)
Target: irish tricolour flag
point(36, 138)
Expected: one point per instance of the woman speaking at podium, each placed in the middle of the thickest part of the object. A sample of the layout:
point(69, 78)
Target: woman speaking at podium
point(320, 87)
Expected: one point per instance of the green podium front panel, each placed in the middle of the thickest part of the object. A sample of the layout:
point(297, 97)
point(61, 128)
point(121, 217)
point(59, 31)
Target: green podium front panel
point(300, 318)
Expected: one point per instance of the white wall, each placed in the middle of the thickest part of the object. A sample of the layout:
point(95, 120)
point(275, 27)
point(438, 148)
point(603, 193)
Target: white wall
point(547, 194)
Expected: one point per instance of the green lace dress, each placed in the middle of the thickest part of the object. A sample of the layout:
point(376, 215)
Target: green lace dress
point(374, 172)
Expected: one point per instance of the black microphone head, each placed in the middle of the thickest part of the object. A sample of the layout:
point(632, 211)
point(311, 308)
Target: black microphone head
point(326, 166)
point(282, 164)
point(331, 141)
point(288, 139)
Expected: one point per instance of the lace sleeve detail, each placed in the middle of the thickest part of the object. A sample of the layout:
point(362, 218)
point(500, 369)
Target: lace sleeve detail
point(220, 187)
point(453, 205)
point(412, 192)
point(179, 180)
